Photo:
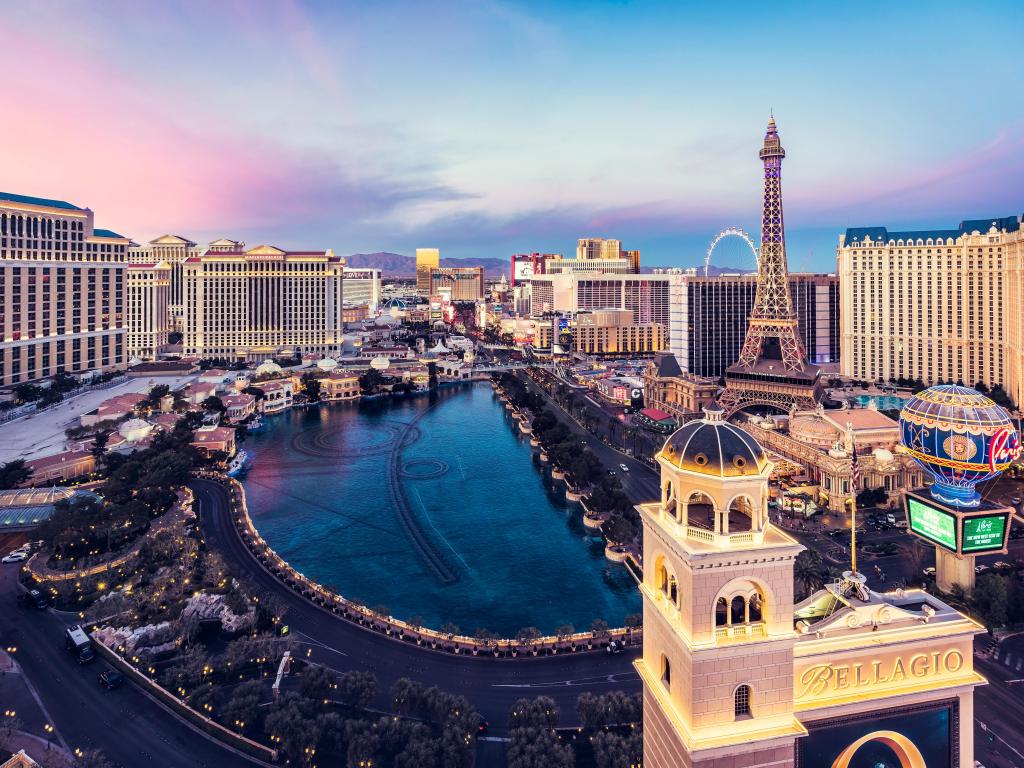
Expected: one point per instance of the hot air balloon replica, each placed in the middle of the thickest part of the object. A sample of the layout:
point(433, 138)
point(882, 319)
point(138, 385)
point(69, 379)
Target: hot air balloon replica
point(960, 438)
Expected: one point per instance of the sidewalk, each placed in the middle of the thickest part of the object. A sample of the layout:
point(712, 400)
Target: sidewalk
point(18, 696)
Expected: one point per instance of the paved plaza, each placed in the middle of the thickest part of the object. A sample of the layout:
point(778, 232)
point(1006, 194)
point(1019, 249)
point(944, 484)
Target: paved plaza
point(42, 434)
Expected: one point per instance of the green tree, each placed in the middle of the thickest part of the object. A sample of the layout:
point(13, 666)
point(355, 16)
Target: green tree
point(528, 633)
point(533, 741)
point(293, 728)
point(809, 571)
point(614, 750)
point(242, 709)
point(214, 403)
point(158, 393)
point(990, 600)
point(256, 392)
point(318, 683)
point(357, 688)
point(27, 393)
point(311, 387)
point(99, 443)
point(370, 381)
point(14, 473)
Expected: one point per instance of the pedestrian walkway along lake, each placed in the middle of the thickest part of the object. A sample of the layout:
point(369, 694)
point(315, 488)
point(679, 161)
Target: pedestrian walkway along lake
point(433, 507)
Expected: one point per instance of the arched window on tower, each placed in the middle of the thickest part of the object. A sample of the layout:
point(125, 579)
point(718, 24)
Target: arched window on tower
point(662, 577)
point(742, 607)
point(754, 606)
point(673, 591)
point(666, 672)
point(721, 612)
point(741, 701)
point(738, 611)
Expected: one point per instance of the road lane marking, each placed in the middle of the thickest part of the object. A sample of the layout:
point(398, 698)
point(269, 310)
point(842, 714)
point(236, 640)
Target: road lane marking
point(612, 678)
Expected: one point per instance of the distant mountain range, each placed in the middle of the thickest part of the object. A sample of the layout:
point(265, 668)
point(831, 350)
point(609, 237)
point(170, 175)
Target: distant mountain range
point(397, 265)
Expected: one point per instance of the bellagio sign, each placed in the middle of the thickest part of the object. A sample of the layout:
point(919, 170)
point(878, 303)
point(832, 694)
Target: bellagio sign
point(828, 679)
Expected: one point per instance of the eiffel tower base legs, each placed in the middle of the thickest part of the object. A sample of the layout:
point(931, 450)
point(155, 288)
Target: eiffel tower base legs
point(736, 399)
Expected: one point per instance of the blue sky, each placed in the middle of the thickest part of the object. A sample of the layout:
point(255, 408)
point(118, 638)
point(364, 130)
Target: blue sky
point(488, 128)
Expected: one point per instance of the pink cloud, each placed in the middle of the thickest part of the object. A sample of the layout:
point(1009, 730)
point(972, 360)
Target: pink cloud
point(990, 175)
point(147, 161)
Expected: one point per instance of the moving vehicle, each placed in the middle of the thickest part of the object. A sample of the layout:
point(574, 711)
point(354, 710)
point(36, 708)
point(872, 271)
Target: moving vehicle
point(76, 641)
point(33, 599)
point(613, 647)
point(929, 572)
point(890, 519)
point(18, 556)
point(111, 679)
point(623, 467)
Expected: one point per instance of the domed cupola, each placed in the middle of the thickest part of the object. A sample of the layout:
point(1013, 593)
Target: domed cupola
point(713, 446)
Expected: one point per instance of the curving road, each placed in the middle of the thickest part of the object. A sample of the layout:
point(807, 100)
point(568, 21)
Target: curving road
point(492, 685)
point(130, 728)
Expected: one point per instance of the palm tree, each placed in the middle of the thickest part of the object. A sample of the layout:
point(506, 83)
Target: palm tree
point(809, 571)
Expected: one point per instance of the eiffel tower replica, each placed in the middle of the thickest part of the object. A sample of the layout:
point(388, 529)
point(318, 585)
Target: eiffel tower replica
point(773, 369)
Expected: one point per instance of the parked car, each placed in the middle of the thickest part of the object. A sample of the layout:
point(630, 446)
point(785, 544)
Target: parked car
point(111, 679)
point(929, 573)
point(613, 647)
point(15, 557)
point(981, 568)
point(890, 519)
point(1002, 565)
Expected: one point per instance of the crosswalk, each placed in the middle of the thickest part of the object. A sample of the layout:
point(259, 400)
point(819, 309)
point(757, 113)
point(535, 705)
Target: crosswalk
point(1010, 660)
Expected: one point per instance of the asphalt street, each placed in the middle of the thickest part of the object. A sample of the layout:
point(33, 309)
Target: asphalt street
point(131, 729)
point(640, 483)
point(999, 708)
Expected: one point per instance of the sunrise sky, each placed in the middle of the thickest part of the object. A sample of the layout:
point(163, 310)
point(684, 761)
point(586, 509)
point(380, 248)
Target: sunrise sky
point(486, 128)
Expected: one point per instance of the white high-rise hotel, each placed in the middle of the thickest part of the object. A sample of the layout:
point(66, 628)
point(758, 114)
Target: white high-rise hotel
point(62, 290)
point(263, 303)
point(940, 306)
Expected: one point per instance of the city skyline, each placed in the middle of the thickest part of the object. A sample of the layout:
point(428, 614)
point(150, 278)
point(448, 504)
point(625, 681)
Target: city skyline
point(511, 127)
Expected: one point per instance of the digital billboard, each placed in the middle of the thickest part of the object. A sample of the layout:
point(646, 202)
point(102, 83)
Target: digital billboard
point(984, 533)
point(522, 269)
point(908, 738)
point(934, 524)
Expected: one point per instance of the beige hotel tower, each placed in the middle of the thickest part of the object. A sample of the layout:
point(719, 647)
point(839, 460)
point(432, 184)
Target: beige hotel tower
point(735, 675)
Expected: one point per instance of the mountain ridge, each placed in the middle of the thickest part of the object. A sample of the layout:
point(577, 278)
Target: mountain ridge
point(397, 265)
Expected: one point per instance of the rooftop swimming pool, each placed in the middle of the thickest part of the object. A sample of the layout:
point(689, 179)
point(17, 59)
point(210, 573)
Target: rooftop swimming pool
point(884, 402)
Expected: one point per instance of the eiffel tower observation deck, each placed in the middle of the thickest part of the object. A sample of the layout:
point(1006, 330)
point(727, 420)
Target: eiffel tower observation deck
point(773, 369)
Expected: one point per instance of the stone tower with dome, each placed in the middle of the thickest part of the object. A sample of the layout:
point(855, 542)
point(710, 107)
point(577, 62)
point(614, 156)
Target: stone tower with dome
point(717, 664)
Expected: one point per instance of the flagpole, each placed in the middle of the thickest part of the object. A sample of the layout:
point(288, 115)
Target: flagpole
point(854, 483)
point(853, 533)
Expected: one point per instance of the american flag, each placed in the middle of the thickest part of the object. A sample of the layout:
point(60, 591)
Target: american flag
point(856, 471)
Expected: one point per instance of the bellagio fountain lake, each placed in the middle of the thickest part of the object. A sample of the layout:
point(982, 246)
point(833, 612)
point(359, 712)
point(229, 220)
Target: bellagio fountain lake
point(431, 507)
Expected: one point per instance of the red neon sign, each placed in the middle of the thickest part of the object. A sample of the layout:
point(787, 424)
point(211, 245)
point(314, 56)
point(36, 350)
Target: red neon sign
point(1003, 448)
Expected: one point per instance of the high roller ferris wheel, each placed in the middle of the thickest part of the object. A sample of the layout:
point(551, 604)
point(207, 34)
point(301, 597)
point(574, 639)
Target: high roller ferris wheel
point(730, 232)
